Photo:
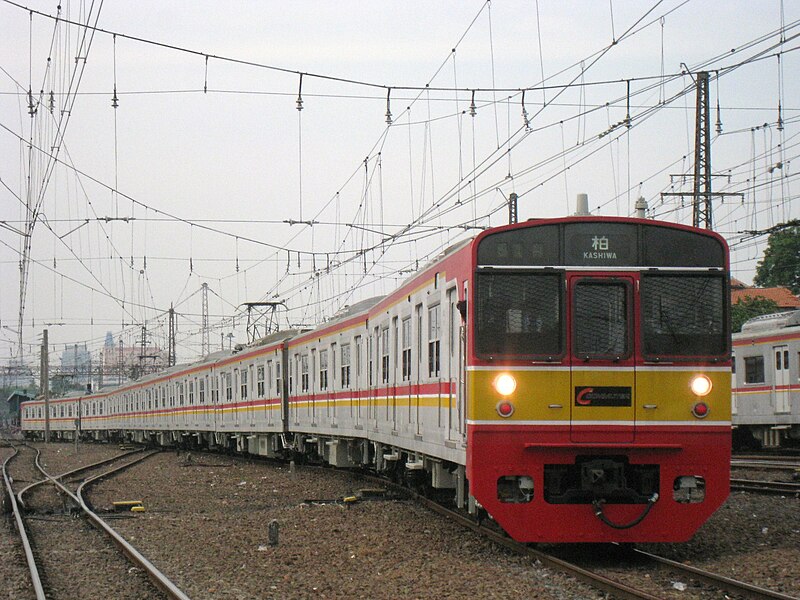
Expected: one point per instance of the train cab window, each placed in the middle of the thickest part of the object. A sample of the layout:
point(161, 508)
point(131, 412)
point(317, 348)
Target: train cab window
point(519, 314)
point(683, 315)
point(600, 319)
point(754, 369)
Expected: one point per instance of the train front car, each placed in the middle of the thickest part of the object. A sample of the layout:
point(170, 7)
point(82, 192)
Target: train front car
point(599, 379)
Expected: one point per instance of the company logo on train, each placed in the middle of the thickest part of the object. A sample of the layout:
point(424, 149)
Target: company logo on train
point(570, 377)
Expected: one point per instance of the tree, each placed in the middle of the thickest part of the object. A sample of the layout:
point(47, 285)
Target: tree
point(749, 307)
point(781, 262)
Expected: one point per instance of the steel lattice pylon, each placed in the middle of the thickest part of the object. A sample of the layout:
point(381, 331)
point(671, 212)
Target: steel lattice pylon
point(701, 205)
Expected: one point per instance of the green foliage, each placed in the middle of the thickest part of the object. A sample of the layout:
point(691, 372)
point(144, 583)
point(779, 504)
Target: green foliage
point(749, 307)
point(781, 262)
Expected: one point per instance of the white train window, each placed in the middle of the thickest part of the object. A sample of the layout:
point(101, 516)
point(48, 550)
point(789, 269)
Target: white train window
point(243, 383)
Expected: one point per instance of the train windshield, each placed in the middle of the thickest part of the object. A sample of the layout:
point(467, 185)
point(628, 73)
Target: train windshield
point(519, 314)
point(683, 315)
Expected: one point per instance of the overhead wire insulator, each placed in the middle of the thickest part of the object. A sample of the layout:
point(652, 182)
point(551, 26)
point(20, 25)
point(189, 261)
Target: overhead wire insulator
point(52, 102)
point(31, 105)
point(388, 107)
point(780, 116)
point(114, 98)
point(300, 94)
point(473, 110)
point(525, 113)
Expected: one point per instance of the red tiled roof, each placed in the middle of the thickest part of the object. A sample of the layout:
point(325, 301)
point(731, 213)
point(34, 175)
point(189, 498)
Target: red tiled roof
point(782, 296)
point(737, 284)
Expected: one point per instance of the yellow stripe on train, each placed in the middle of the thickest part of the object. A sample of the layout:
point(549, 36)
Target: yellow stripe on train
point(548, 395)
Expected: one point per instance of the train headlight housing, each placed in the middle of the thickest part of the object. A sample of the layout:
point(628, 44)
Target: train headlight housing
point(701, 385)
point(505, 384)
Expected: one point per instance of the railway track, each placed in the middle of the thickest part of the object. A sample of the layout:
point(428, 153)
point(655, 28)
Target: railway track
point(766, 487)
point(64, 555)
point(614, 586)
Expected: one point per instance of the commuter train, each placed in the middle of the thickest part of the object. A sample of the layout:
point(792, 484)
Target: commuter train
point(570, 377)
point(766, 386)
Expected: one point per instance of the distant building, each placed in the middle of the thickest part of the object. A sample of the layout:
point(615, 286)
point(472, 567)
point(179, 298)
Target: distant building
point(9, 410)
point(76, 363)
point(122, 362)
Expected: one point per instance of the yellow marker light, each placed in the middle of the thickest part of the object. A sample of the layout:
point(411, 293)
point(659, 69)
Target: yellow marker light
point(701, 385)
point(505, 384)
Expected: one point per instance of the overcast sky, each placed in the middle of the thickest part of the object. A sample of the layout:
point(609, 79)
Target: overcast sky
point(202, 172)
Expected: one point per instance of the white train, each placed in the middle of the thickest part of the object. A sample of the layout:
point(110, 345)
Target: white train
point(766, 386)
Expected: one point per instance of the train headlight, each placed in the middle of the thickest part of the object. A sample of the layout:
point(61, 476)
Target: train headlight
point(701, 385)
point(505, 384)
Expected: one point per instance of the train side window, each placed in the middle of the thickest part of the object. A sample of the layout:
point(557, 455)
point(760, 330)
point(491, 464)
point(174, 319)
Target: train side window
point(385, 355)
point(786, 359)
point(778, 361)
point(754, 369)
point(243, 380)
point(406, 333)
point(345, 365)
point(260, 381)
point(304, 373)
point(323, 370)
point(434, 341)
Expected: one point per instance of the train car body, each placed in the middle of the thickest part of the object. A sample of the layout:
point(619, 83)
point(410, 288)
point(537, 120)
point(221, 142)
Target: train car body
point(766, 382)
point(571, 377)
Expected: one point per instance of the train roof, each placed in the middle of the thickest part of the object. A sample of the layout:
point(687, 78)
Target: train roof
point(774, 321)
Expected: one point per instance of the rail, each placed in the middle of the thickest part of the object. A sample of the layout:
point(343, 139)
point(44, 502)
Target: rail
point(36, 580)
point(765, 487)
point(160, 580)
point(734, 586)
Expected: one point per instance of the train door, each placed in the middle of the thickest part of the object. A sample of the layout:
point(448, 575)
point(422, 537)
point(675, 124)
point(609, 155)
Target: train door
point(454, 367)
point(780, 386)
point(357, 383)
point(602, 358)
